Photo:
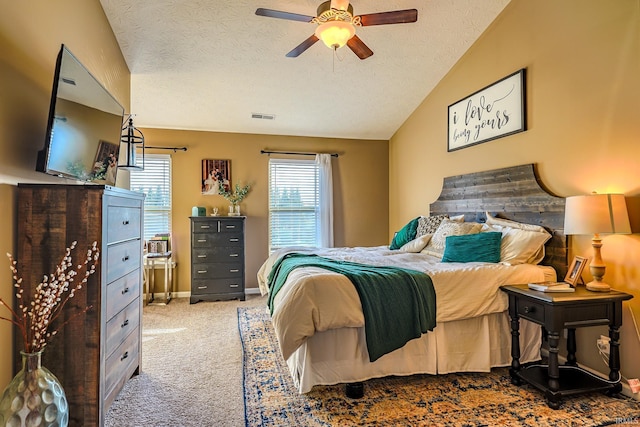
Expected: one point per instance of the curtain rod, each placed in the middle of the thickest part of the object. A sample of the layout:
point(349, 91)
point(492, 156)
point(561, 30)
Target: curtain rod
point(294, 153)
point(168, 148)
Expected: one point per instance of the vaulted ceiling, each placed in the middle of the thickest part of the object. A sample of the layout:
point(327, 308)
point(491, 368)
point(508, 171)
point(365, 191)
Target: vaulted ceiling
point(210, 65)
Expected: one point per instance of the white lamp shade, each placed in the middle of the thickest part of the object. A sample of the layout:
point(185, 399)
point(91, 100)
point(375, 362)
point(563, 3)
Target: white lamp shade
point(595, 214)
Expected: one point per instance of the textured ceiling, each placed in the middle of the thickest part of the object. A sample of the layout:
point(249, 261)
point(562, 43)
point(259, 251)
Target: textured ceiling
point(210, 64)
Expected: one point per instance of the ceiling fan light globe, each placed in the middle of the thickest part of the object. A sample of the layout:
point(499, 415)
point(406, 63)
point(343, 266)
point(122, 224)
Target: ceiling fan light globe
point(335, 34)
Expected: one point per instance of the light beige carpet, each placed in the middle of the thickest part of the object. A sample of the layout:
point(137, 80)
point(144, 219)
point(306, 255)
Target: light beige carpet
point(191, 368)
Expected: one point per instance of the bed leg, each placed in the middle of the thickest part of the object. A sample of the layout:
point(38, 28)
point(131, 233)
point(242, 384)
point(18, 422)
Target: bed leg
point(355, 390)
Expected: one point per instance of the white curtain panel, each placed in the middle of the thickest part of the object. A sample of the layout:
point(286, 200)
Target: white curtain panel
point(324, 229)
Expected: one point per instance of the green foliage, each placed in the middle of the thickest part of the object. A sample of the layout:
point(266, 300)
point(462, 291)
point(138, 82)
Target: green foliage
point(237, 195)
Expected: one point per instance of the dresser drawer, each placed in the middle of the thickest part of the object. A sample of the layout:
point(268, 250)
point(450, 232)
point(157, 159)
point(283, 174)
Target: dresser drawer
point(123, 223)
point(217, 226)
point(121, 325)
point(121, 292)
point(210, 240)
point(531, 310)
point(121, 360)
point(123, 258)
point(217, 254)
point(217, 270)
point(217, 286)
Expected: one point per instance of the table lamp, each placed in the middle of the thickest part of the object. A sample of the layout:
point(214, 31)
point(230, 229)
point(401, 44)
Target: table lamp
point(594, 214)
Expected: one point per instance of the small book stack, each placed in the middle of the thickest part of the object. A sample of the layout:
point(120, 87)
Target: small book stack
point(551, 287)
point(159, 243)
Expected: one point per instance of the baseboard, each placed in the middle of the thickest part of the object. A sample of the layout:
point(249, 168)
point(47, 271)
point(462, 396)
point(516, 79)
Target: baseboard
point(626, 390)
point(187, 294)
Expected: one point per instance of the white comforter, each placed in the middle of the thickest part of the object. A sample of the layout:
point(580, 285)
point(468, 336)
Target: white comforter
point(313, 299)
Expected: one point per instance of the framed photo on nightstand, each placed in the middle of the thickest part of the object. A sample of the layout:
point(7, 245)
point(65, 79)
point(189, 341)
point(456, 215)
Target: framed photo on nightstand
point(575, 270)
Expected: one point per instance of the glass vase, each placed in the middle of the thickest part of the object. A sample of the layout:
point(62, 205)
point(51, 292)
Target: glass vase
point(34, 397)
point(237, 208)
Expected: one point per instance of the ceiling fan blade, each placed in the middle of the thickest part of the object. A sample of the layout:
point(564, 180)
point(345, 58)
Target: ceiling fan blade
point(393, 17)
point(359, 48)
point(303, 46)
point(270, 13)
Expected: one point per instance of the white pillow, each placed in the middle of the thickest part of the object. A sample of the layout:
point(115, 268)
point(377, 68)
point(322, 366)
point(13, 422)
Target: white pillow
point(417, 244)
point(449, 228)
point(491, 220)
point(522, 243)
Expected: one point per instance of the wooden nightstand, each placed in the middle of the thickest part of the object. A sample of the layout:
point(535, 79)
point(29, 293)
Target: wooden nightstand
point(555, 312)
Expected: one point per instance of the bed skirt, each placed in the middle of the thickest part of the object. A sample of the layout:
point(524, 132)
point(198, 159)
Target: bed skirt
point(471, 345)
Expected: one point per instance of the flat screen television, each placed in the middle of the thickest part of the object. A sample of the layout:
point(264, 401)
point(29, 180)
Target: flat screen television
point(84, 126)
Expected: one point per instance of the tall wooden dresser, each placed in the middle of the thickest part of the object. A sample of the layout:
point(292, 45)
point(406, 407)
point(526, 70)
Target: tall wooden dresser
point(217, 258)
point(95, 353)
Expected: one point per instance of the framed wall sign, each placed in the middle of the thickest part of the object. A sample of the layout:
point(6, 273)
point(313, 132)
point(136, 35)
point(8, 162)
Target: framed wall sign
point(492, 112)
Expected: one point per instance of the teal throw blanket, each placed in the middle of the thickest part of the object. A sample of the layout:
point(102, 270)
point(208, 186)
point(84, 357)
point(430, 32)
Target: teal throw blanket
point(398, 304)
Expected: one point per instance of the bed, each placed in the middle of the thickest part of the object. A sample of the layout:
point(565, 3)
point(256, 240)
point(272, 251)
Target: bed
point(318, 316)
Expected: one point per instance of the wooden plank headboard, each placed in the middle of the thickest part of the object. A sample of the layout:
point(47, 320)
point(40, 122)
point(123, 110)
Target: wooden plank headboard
point(513, 193)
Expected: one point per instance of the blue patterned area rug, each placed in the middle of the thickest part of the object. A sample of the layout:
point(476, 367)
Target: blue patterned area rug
point(483, 399)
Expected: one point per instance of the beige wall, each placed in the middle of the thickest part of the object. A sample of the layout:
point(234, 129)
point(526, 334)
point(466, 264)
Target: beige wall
point(31, 33)
point(360, 183)
point(583, 109)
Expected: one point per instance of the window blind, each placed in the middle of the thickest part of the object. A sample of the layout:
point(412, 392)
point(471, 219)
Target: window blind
point(155, 182)
point(293, 203)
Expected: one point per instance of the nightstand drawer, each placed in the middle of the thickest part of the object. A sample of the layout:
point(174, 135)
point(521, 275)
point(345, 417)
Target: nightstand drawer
point(531, 310)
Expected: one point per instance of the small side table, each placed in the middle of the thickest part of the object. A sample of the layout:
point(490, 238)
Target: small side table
point(150, 260)
point(557, 311)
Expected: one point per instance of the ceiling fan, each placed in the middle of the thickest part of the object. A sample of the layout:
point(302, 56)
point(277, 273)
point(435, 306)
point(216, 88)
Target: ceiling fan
point(337, 25)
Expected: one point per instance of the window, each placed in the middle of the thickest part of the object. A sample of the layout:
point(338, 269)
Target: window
point(155, 182)
point(293, 203)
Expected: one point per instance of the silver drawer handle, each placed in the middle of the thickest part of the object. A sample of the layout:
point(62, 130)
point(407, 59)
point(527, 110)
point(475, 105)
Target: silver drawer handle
point(124, 356)
point(202, 271)
point(125, 222)
point(205, 226)
point(233, 254)
point(202, 240)
point(230, 226)
point(202, 256)
point(234, 240)
point(234, 271)
point(202, 287)
point(234, 286)
point(528, 309)
point(125, 290)
point(125, 323)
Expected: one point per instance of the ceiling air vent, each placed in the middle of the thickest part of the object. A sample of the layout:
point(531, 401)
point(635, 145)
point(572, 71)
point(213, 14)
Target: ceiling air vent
point(263, 116)
point(68, 81)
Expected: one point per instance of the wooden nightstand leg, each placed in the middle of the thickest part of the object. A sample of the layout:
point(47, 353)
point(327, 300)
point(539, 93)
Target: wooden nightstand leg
point(553, 399)
point(614, 358)
point(515, 342)
point(571, 347)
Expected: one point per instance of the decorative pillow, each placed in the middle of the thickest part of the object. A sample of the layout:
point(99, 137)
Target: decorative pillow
point(417, 244)
point(429, 224)
point(492, 220)
point(449, 228)
point(522, 246)
point(480, 247)
point(405, 235)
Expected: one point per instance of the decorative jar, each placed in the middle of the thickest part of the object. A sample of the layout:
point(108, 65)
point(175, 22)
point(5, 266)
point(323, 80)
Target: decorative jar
point(34, 397)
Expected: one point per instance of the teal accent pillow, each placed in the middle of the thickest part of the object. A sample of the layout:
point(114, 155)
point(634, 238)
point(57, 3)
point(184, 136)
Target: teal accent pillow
point(479, 247)
point(405, 235)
